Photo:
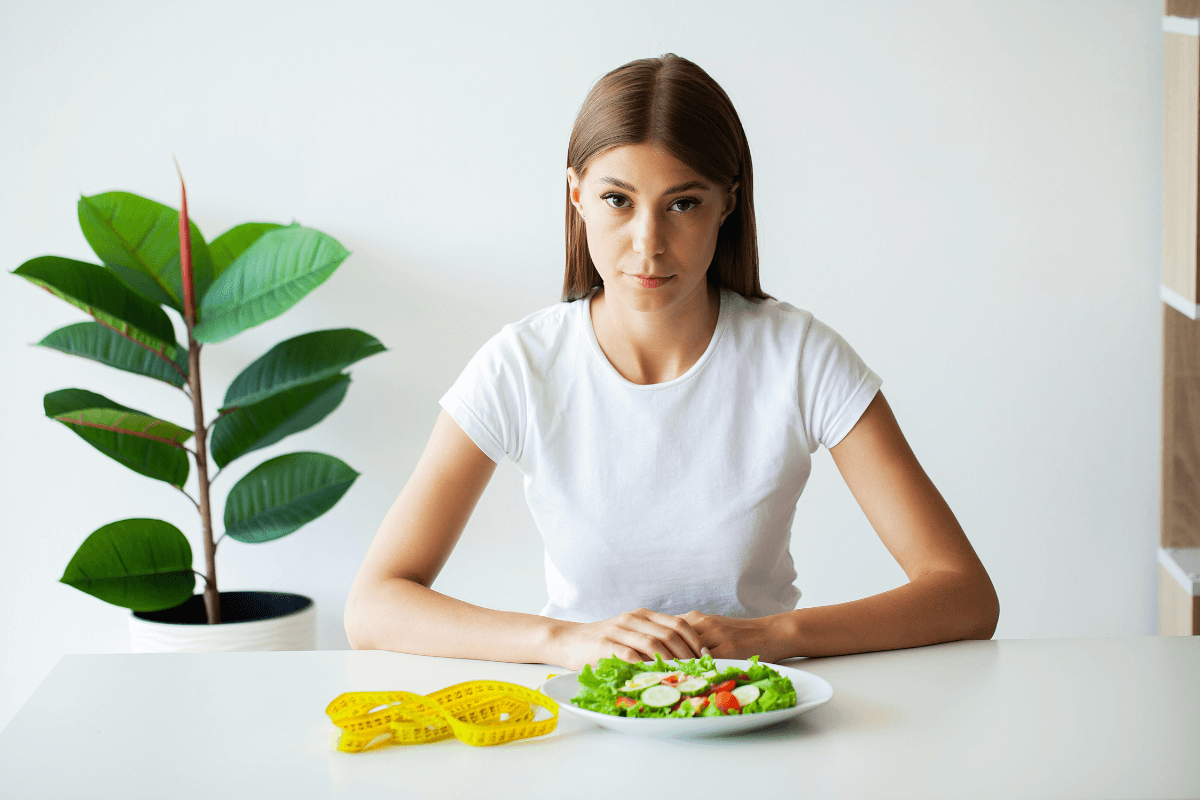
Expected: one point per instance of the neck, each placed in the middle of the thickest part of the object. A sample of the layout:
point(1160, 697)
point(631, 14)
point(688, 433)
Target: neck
point(648, 347)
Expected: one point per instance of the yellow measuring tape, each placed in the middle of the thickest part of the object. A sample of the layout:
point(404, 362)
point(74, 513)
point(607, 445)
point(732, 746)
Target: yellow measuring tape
point(480, 713)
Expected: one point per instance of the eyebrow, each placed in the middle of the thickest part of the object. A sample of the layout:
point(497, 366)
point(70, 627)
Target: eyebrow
point(683, 187)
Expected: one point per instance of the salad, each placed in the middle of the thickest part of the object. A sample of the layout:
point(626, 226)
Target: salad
point(693, 688)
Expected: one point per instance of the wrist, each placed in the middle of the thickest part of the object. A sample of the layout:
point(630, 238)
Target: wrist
point(551, 648)
point(786, 633)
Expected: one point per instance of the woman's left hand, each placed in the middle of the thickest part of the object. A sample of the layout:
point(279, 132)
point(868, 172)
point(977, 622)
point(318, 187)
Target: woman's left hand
point(733, 637)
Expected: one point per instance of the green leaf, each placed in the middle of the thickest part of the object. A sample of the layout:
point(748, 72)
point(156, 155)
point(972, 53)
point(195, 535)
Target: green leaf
point(270, 277)
point(138, 239)
point(65, 401)
point(142, 564)
point(97, 291)
point(256, 426)
point(299, 360)
point(233, 242)
point(93, 340)
point(145, 444)
point(279, 496)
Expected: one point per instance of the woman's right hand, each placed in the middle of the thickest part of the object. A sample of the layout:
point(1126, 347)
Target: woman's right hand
point(632, 636)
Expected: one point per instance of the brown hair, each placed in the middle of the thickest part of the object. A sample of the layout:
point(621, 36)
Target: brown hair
point(668, 101)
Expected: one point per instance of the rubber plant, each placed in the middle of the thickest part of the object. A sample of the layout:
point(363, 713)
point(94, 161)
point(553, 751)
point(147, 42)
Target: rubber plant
point(153, 256)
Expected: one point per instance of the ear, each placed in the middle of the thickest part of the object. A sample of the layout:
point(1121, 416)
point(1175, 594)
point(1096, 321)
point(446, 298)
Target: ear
point(574, 183)
point(730, 203)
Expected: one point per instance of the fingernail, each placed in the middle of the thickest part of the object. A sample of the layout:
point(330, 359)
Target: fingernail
point(703, 651)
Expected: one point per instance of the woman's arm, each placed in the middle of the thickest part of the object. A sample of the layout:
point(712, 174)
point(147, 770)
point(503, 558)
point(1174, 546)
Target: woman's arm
point(949, 595)
point(391, 606)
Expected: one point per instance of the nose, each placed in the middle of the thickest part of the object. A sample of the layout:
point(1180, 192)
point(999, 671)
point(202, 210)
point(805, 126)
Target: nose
point(648, 234)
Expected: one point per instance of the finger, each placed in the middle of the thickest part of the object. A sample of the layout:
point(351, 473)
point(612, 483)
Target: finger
point(710, 630)
point(655, 638)
point(692, 631)
point(723, 650)
point(664, 651)
point(675, 632)
point(685, 629)
point(633, 646)
point(629, 655)
point(696, 623)
point(652, 638)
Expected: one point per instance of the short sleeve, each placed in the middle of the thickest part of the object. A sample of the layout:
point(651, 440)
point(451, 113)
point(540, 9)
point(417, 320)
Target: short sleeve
point(488, 399)
point(835, 386)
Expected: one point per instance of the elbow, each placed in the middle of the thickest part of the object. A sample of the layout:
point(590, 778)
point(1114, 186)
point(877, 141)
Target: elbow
point(369, 607)
point(988, 615)
point(353, 622)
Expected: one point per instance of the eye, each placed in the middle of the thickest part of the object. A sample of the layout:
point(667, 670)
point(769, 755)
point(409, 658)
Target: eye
point(615, 196)
point(689, 201)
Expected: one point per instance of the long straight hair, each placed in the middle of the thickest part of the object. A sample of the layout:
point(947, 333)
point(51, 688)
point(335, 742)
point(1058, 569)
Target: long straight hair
point(670, 102)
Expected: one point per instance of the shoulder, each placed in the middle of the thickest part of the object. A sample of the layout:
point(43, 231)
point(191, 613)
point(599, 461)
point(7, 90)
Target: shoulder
point(775, 329)
point(545, 322)
point(758, 320)
point(537, 335)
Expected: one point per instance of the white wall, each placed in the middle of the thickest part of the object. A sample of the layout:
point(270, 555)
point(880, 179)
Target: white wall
point(968, 192)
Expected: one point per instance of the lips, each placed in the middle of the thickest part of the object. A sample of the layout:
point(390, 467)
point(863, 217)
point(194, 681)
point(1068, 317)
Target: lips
point(650, 282)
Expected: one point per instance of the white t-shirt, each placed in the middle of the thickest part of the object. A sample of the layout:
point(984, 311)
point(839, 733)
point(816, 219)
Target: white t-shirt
point(673, 496)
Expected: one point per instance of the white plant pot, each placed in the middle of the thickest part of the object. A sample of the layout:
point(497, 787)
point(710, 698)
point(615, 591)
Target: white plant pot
point(249, 621)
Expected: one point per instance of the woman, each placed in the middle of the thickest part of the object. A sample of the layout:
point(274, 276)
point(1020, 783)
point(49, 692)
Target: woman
point(664, 416)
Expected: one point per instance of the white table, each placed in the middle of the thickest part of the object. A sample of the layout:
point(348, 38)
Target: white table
point(1052, 718)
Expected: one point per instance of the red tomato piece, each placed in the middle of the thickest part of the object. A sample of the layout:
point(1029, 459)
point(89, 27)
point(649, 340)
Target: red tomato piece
point(626, 702)
point(670, 680)
point(726, 702)
point(743, 677)
point(724, 686)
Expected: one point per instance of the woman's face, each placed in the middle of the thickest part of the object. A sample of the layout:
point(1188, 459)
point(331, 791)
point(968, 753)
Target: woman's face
point(651, 225)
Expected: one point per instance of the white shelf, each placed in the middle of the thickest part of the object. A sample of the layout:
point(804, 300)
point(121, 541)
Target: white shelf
point(1183, 563)
point(1184, 25)
point(1177, 301)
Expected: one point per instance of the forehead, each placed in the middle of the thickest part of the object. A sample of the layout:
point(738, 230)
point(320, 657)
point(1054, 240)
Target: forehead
point(647, 167)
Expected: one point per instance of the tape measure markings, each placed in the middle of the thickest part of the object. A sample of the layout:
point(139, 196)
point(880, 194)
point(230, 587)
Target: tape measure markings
point(479, 713)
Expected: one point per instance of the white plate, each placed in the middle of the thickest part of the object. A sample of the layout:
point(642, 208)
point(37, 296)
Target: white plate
point(811, 691)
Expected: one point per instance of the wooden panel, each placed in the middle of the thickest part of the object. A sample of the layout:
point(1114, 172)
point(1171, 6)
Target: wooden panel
point(1181, 163)
point(1180, 430)
point(1178, 611)
point(1183, 8)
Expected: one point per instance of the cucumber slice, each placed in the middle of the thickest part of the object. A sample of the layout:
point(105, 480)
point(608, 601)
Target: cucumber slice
point(746, 694)
point(642, 680)
point(692, 685)
point(660, 696)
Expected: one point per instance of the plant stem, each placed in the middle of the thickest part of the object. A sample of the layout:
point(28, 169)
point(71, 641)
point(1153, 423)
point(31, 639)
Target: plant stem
point(212, 598)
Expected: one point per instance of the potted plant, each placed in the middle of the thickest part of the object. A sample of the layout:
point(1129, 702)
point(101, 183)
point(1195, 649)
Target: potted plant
point(153, 256)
